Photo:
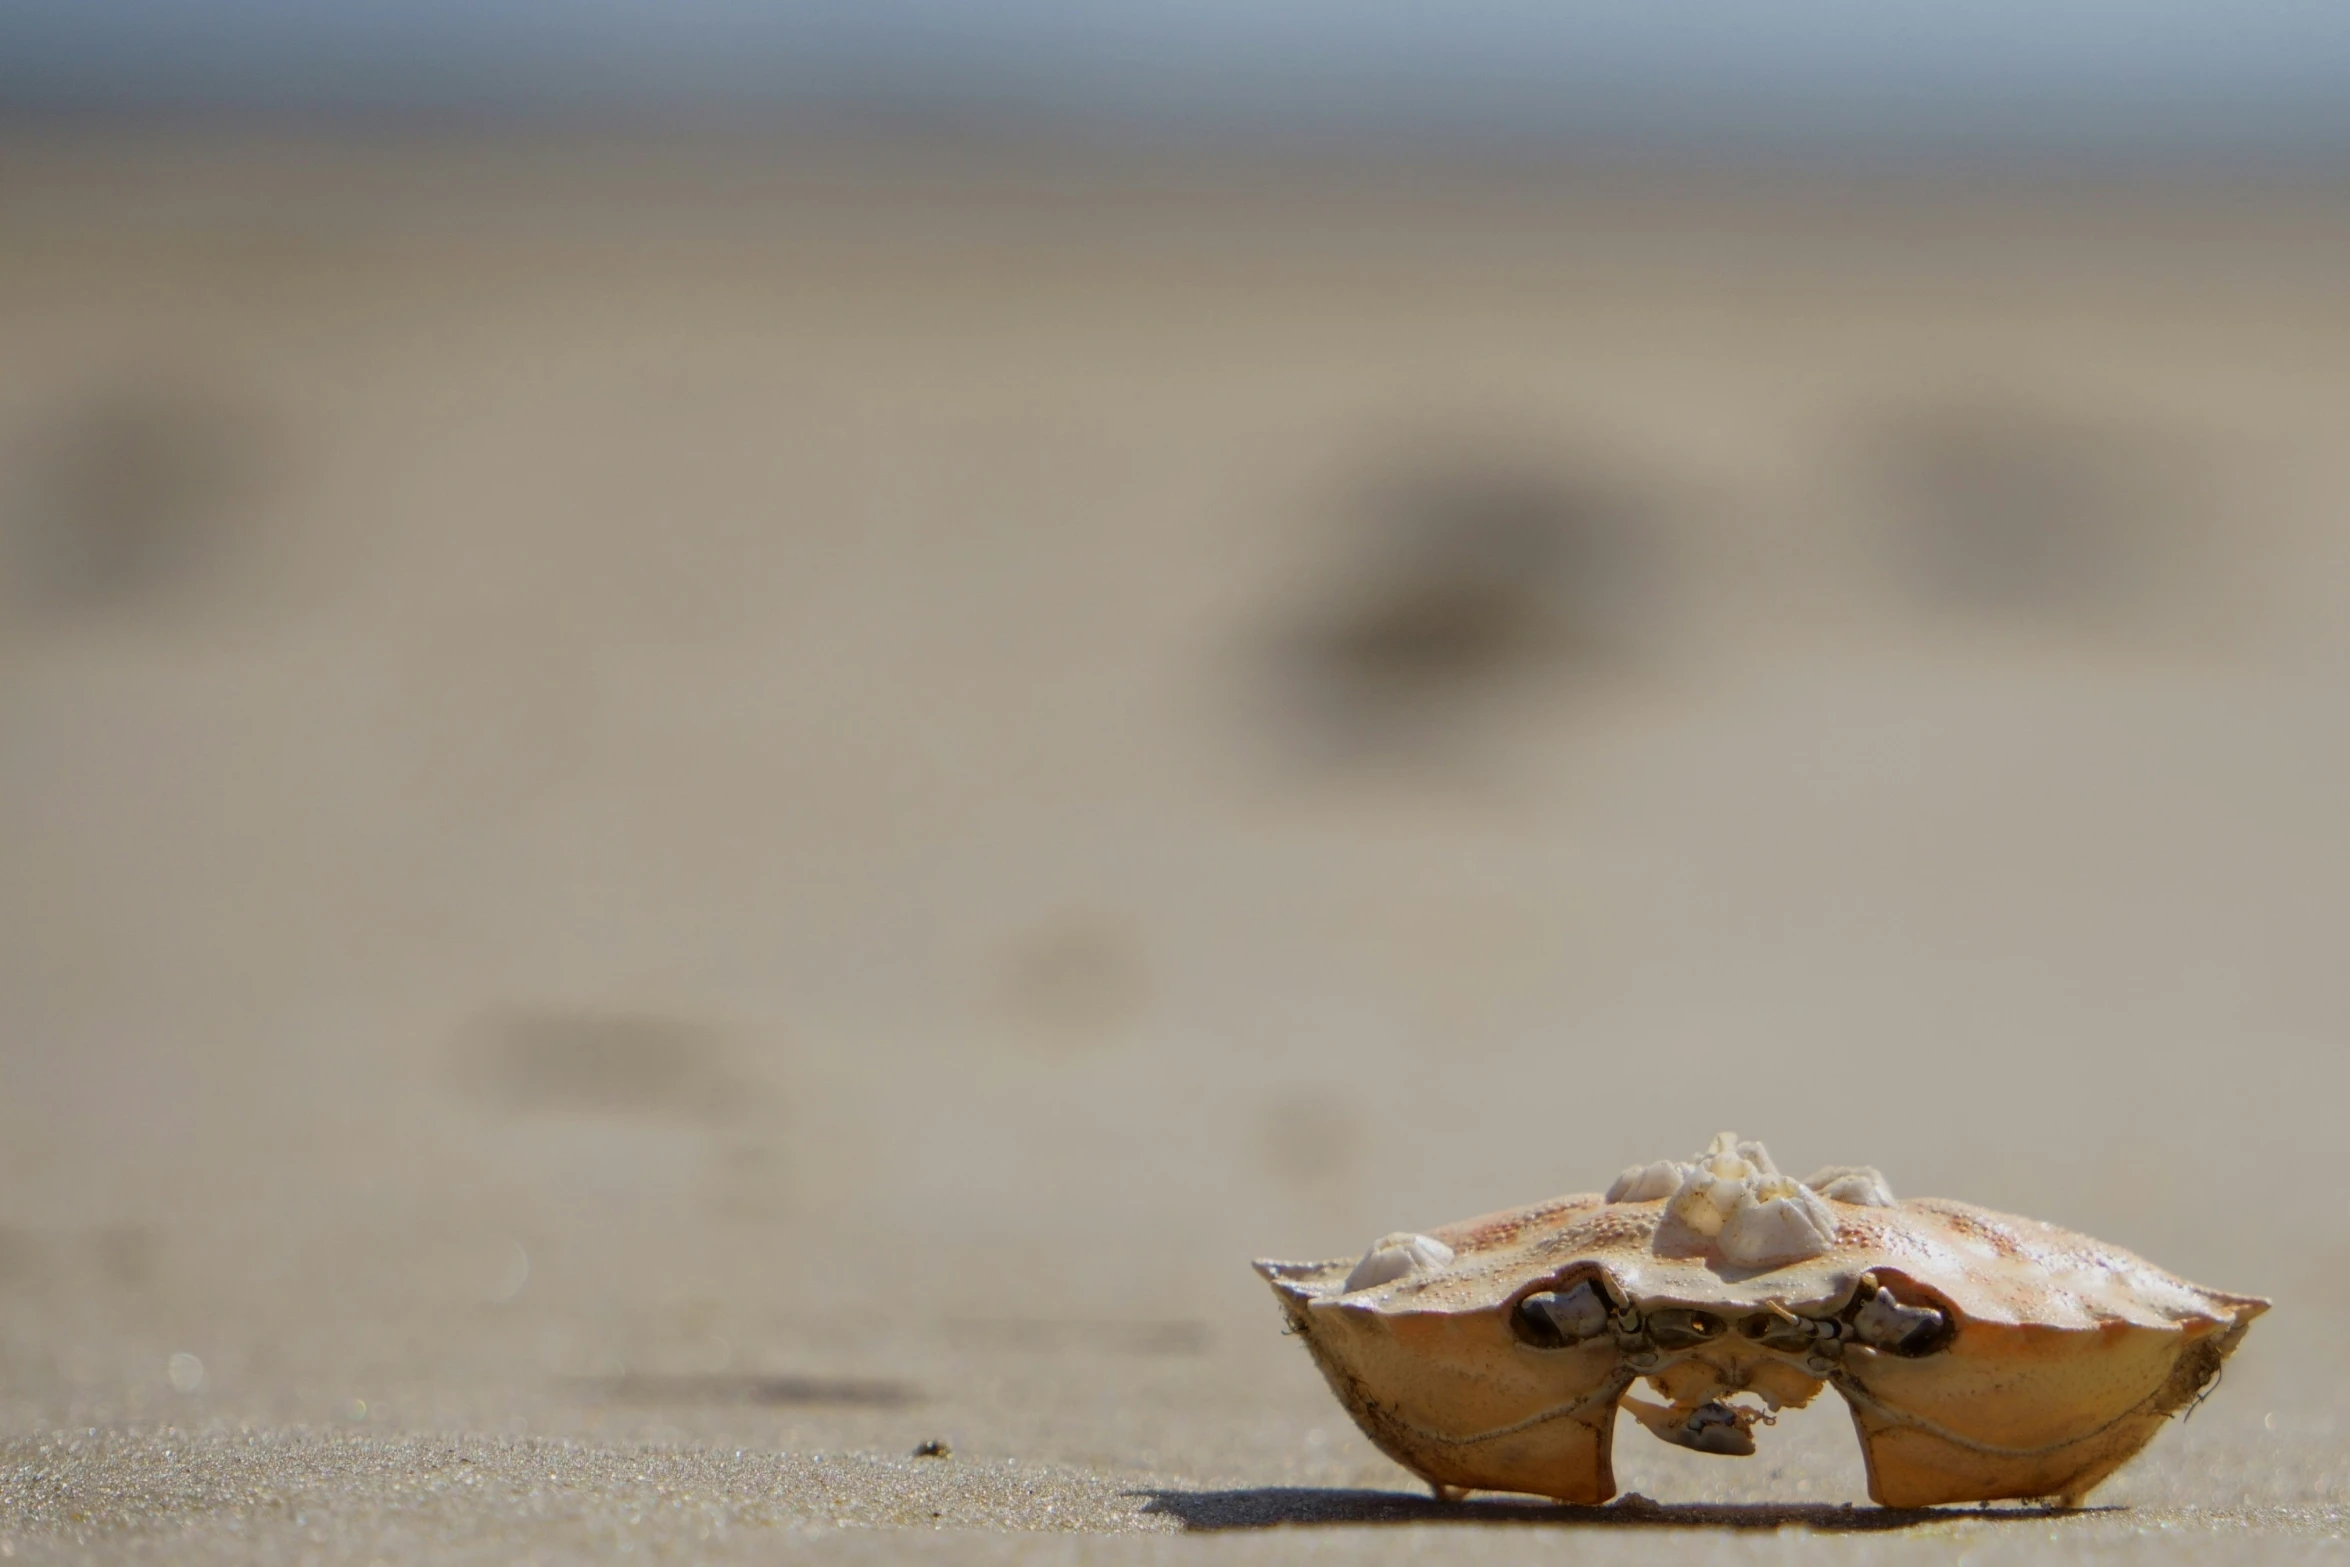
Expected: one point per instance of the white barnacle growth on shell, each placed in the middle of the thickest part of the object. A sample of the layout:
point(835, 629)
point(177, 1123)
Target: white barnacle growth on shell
point(1858, 1184)
point(1395, 1257)
point(1734, 1197)
point(1647, 1182)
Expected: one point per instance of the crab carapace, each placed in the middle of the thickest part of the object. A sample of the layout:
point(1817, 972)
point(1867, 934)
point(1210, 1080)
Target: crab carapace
point(1984, 1356)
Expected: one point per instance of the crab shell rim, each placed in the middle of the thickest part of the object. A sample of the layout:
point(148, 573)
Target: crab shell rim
point(2063, 1357)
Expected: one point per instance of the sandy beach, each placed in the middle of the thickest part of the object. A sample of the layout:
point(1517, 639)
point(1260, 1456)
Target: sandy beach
point(676, 817)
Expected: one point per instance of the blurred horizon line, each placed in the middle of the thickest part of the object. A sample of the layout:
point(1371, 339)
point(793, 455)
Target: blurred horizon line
point(994, 136)
point(2161, 86)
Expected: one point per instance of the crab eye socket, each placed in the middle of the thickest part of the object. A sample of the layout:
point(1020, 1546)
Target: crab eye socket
point(1675, 1328)
point(1555, 1319)
point(1885, 1323)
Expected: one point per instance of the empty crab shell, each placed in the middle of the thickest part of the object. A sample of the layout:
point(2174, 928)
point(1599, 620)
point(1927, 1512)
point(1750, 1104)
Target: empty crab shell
point(1983, 1356)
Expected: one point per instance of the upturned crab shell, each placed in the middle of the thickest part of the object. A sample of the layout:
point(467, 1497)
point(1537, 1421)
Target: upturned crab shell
point(1983, 1356)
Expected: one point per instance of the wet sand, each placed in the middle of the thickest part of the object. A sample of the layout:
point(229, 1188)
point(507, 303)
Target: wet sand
point(677, 819)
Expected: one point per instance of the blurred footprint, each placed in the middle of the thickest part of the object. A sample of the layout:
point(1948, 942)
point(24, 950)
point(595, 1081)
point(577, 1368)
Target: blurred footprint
point(1462, 581)
point(122, 1257)
point(1077, 983)
point(132, 499)
point(2004, 511)
point(625, 1063)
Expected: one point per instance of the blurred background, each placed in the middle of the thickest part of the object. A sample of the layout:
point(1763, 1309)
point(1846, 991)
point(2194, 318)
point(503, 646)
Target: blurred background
point(756, 723)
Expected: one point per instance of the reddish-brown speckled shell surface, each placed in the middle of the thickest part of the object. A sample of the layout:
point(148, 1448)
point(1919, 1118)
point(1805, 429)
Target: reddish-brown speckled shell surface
point(2031, 1361)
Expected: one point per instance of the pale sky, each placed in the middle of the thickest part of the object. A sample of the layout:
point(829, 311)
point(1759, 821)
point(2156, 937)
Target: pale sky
point(2233, 78)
